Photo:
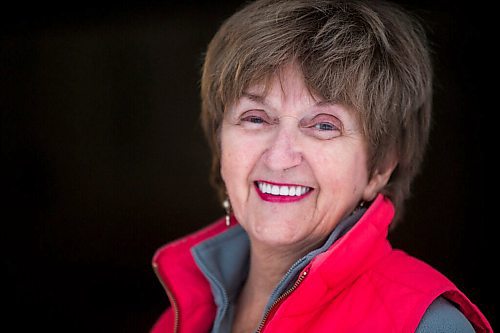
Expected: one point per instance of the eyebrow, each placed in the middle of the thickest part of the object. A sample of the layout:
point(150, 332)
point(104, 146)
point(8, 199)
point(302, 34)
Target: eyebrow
point(262, 100)
point(255, 98)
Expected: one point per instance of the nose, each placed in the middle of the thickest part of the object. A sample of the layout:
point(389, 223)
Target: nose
point(284, 150)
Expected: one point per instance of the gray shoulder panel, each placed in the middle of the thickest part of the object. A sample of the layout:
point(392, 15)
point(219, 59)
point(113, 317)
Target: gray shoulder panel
point(443, 317)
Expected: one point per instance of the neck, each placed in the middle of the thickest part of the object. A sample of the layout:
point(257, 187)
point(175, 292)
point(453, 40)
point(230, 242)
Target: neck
point(268, 265)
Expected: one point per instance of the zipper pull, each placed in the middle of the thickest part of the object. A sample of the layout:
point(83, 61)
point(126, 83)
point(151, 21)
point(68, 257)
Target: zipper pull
point(287, 293)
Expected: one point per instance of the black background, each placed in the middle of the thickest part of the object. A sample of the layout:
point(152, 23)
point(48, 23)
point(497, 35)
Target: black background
point(103, 160)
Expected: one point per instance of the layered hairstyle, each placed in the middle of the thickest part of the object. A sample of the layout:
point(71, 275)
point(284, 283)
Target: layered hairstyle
point(372, 57)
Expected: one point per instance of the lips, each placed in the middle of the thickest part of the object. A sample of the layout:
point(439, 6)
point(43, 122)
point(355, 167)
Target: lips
point(274, 192)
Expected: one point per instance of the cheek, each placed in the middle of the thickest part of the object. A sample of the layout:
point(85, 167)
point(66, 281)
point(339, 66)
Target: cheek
point(227, 153)
point(227, 165)
point(238, 155)
point(341, 169)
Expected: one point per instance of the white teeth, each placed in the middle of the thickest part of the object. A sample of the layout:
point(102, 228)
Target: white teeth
point(275, 190)
point(283, 190)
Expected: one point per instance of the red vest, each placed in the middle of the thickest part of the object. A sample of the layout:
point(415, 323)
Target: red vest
point(359, 285)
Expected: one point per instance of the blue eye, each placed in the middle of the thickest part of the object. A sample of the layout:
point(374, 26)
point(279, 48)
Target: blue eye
point(324, 127)
point(254, 119)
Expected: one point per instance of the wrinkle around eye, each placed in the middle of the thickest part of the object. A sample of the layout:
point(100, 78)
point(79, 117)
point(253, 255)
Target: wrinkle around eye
point(323, 125)
point(321, 134)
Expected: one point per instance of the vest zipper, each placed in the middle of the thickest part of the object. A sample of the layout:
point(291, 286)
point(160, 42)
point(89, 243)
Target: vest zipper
point(171, 297)
point(299, 280)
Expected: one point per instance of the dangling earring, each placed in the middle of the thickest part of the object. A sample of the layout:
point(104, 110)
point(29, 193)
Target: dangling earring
point(360, 205)
point(227, 207)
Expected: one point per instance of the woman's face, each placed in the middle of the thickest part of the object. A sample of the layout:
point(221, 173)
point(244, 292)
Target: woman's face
point(293, 165)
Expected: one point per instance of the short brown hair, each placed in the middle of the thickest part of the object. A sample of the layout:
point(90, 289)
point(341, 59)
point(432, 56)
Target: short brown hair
point(371, 56)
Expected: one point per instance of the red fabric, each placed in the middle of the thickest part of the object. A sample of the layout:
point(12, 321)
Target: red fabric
point(177, 270)
point(360, 285)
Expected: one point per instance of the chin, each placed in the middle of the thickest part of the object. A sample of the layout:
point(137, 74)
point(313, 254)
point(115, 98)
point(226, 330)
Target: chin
point(276, 236)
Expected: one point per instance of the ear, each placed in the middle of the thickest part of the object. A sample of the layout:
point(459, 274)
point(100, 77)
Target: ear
point(380, 177)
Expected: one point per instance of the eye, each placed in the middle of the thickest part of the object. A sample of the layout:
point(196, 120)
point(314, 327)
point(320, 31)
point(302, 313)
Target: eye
point(255, 119)
point(322, 126)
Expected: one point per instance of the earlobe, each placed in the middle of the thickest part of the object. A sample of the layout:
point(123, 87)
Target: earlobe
point(380, 178)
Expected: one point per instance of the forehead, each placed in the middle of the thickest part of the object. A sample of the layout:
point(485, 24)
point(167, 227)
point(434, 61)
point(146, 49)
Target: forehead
point(287, 84)
point(288, 89)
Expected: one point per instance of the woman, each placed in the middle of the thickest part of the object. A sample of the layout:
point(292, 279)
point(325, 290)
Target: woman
point(318, 116)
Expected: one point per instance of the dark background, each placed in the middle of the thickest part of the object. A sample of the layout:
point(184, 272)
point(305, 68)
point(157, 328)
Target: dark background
point(103, 160)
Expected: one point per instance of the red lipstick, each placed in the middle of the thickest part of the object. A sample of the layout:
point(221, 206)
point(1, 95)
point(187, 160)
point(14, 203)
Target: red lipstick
point(280, 198)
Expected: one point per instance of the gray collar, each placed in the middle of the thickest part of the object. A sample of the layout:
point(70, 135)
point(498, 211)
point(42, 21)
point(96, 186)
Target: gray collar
point(224, 260)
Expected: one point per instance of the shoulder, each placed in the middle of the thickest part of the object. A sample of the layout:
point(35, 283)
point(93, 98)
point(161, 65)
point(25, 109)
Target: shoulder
point(412, 274)
point(180, 248)
point(443, 316)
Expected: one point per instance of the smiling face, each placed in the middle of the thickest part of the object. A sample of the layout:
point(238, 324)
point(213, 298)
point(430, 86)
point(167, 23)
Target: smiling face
point(293, 165)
